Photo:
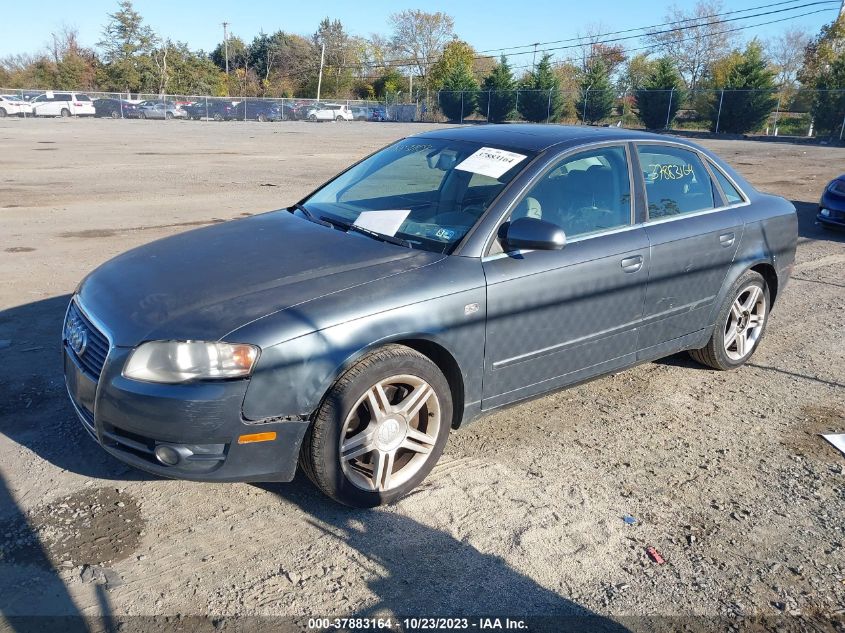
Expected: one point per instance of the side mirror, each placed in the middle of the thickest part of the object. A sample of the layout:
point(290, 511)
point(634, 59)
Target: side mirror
point(534, 234)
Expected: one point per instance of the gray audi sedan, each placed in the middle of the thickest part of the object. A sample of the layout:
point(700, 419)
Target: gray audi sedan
point(443, 277)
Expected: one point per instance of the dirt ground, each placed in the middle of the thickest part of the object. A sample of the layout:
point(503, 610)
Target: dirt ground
point(723, 473)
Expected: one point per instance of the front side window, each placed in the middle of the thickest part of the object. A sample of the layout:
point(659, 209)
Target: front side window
point(585, 193)
point(62, 96)
point(429, 192)
point(676, 181)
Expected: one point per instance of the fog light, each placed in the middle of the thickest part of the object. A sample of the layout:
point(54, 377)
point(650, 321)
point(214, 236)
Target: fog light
point(167, 455)
point(825, 212)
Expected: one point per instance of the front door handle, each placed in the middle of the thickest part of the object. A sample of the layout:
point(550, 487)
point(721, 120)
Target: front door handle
point(632, 264)
point(727, 239)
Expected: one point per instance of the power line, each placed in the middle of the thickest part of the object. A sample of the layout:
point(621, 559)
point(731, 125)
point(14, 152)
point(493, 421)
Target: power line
point(646, 28)
point(402, 62)
point(733, 30)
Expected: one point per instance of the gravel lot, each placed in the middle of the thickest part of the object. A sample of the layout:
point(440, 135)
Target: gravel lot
point(723, 472)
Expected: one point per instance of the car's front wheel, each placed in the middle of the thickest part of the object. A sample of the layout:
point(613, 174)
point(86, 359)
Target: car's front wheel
point(64, 113)
point(380, 429)
point(740, 324)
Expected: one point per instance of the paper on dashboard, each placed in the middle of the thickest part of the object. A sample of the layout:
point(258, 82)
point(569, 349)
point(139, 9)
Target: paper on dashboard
point(386, 222)
point(489, 161)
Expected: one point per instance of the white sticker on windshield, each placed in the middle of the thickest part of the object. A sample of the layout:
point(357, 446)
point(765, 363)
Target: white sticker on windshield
point(489, 161)
point(384, 222)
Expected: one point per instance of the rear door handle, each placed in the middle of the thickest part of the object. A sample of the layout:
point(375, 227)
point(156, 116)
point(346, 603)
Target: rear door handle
point(632, 264)
point(727, 239)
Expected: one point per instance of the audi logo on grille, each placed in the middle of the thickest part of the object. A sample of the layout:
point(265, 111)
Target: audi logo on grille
point(76, 336)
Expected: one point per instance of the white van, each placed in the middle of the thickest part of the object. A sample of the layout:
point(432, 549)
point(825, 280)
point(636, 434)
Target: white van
point(62, 104)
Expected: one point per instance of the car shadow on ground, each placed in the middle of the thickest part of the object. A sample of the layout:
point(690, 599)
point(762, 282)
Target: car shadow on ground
point(418, 570)
point(36, 581)
point(34, 408)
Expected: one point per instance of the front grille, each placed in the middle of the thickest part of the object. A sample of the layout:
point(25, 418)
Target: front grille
point(96, 348)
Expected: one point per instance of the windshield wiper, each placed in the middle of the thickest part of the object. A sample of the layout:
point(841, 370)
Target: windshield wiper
point(348, 226)
point(308, 214)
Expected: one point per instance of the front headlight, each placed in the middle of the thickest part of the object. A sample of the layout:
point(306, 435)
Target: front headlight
point(825, 212)
point(180, 361)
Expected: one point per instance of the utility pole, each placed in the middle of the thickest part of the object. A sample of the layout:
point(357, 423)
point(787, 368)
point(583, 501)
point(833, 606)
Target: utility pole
point(534, 58)
point(411, 83)
point(320, 78)
point(226, 44)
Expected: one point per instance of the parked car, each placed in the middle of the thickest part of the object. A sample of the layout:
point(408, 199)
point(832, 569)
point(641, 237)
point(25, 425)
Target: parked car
point(63, 104)
point(832, 204)
point(329, 112)
point(116, 109)
point(257, 110)
point(360, 113)
point(153, 109)
point(11, 105)
point(378, 114)
point(300, 110)
point(448, 275)
point(216, 109)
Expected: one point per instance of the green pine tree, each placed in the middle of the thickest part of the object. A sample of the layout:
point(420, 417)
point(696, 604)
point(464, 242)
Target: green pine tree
point(595, 101)
point(749, 94)
point(497, 99)
point(539, 97)
point(829, 102)
point(660, 95)
point(459, 96)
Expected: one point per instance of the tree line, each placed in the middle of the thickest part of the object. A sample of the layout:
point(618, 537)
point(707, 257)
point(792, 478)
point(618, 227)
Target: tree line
point(702, 67)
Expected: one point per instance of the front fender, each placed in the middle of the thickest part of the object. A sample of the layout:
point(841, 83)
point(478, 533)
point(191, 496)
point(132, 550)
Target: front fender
point(291, 378)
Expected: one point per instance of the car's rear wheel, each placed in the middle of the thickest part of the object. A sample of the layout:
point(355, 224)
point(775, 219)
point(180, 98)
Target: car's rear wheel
point(64, 113)
point(217, 116)
point(339, 118)
point(142, 115)
point(115, 114)
point(261, 118)
point(3, 113)
point(312, 117)
point(380, 429)
point(740, 324)
point(168, 116)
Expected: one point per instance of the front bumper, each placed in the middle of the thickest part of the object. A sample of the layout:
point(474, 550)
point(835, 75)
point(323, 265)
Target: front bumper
point(130, 418)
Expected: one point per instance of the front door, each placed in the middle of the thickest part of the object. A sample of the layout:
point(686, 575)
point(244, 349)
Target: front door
point(557, 317)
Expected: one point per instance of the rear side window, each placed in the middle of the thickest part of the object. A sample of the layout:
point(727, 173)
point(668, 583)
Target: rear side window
point(676, 181)
point(83, 98)
point(732, 194)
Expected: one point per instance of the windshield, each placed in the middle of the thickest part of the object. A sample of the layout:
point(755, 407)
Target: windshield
point(428, 192)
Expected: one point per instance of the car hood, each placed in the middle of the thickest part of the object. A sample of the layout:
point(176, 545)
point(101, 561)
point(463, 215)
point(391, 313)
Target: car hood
point(205, 283)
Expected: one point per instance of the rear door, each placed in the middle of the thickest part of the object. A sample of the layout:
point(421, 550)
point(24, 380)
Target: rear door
point(557, 317)
point(693, 237)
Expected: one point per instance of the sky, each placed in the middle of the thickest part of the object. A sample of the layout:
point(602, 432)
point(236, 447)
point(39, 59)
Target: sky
point(485, 24)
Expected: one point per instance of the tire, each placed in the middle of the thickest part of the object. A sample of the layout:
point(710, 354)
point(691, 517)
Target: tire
point(415, 443)
point(312, 117)
point(217, 116)
point(726, 350)
point(261, 118)
point(3, 113)
point(340, 118)
point(65, 113)
point(142, 115)
point(168, 116)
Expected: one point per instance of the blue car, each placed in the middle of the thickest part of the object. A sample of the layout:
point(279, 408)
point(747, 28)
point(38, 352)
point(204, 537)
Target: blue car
point(832, 204)
point(444, 277)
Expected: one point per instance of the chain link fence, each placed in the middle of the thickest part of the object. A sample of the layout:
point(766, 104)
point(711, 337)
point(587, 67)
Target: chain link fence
point(30, 103)
point(784, 112)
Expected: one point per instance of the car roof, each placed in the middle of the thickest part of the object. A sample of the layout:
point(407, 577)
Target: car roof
point(533, 137)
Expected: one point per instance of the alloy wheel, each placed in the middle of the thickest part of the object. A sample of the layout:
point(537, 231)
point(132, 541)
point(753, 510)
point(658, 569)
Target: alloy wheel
point(745, 322)
point(389, 433)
